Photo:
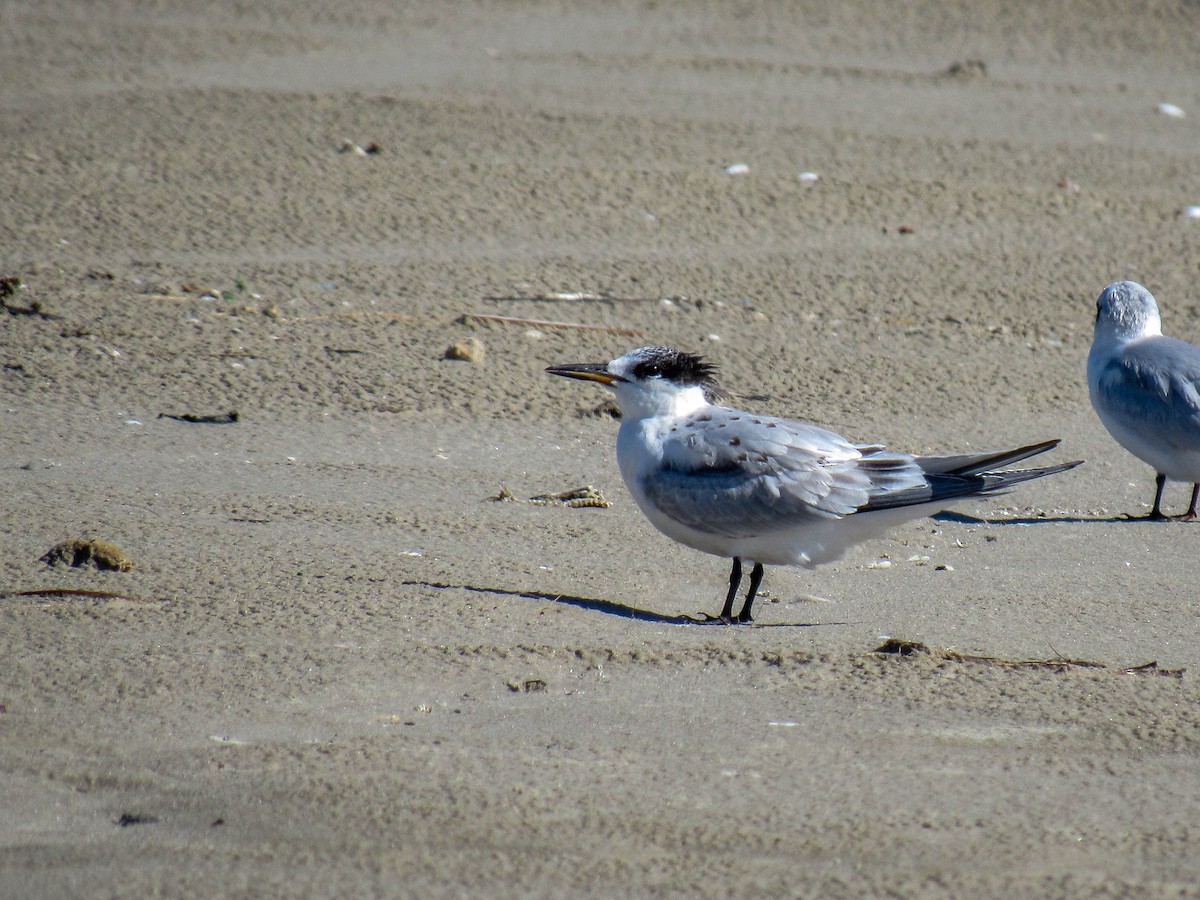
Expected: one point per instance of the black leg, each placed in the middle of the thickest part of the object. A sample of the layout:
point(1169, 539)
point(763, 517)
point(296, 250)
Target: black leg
point(735, 579)
point(756, 577)
point(1190, 515)
point(1160, 481)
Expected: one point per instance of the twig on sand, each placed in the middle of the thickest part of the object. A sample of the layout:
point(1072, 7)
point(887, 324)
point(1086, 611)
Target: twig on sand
point(569, 297)
point(76, 592)
point(542, 323)
point(359, 314)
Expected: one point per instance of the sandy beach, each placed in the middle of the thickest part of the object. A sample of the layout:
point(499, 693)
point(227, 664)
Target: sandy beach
point(338, 667)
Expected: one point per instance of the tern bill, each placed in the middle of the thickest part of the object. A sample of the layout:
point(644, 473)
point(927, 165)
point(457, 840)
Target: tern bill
point(768, 491)
point(1145, 387)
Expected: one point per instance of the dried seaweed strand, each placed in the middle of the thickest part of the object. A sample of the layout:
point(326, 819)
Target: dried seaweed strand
point(1058, 662)
point(899, 647)
point(576, 498)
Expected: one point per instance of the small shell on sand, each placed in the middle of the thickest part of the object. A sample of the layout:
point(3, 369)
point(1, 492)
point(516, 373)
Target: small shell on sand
point(469, 349)
point(101, 554)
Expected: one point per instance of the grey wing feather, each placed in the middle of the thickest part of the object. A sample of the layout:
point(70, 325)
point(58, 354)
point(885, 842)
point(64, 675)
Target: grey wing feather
point(730, 472)
point(1155, 386)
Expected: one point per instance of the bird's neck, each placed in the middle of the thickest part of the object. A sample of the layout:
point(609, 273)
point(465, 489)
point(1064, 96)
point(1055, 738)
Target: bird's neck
point(1108, 335)
point(667, 402)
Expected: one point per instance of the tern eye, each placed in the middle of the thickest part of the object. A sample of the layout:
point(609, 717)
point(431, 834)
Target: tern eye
point(648, 370)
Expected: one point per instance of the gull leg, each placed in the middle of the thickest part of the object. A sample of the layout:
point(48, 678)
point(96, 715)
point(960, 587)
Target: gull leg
point(756, 577)
point(735, 579)
point(1190, 515)
point(1160, 481)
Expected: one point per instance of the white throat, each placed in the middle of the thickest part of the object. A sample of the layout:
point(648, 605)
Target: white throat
point(658, 398)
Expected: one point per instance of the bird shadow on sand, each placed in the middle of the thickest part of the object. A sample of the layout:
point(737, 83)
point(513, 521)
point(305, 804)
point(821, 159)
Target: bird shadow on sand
point(608, 607)
point(964, 519)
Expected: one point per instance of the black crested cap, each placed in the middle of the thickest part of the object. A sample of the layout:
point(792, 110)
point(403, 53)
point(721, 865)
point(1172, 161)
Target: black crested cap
point(678, 367)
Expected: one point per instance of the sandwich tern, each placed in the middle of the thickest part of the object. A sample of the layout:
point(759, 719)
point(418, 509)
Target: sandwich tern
point(764, 490)
point(1145, 388)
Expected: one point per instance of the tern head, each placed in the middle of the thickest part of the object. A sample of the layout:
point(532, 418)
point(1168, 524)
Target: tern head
point(1126, 311)
point(652, 381)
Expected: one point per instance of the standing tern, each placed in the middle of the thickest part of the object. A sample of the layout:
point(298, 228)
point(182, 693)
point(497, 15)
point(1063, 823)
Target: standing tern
point(763, 490)
point(1145, 388)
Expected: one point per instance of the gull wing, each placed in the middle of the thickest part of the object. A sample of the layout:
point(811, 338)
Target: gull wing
point(734, 473)
point(1154, 387)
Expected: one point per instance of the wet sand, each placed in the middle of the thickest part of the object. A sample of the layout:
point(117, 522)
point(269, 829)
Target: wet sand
point(337, 668)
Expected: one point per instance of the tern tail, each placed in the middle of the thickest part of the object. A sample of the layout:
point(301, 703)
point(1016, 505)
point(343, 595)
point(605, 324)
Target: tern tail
point(950, 478)
point(998, 481)
point(980, 463)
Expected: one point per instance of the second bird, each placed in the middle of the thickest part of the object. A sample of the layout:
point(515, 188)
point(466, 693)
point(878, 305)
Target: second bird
point(767, 491)
point(1145, 388)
